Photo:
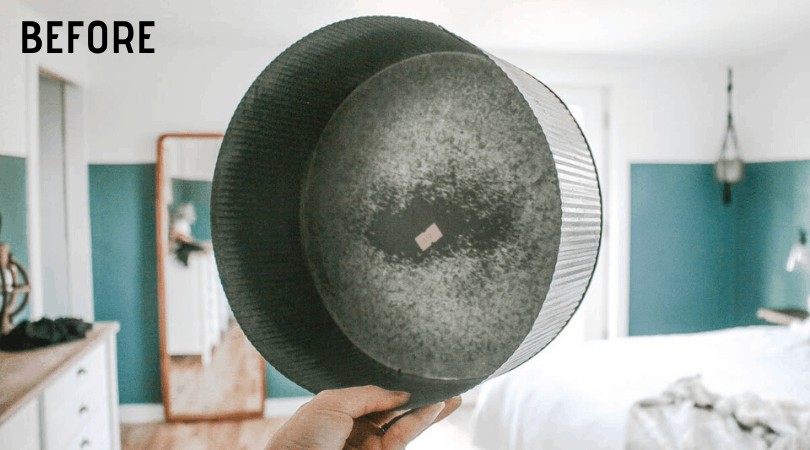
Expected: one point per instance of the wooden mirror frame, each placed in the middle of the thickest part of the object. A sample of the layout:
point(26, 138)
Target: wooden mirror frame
point(161, 221)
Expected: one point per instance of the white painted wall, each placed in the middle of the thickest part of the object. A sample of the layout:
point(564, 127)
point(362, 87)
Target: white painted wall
point(772, 104)
point(12, 82)
point(132, 99)
point(18, 71)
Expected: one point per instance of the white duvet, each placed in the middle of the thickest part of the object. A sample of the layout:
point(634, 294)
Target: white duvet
point(577, 396)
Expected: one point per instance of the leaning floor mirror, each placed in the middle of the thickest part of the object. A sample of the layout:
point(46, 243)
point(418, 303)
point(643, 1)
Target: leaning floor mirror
point(209, 369)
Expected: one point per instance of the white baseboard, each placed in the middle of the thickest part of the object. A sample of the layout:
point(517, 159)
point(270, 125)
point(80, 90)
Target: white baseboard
point(140, 412)
point(153, 412)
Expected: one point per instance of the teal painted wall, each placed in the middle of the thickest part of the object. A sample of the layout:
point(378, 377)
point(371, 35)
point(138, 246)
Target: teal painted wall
point(13, 206)
point(698, 265)
point(13, 209)
point(279, 386)
point(681, 250)
point(774, 202)
point(197, 193)
point(122, 219)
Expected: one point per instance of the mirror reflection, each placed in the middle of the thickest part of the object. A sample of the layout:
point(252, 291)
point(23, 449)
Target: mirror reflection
point(210, 370)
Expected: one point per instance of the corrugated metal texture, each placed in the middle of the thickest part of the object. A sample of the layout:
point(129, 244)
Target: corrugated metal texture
point(581, 214)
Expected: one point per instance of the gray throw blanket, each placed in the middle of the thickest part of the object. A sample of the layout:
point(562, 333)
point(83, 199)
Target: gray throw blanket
point(687, 416)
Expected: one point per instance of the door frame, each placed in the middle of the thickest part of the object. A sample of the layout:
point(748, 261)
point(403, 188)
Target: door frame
point(77, 211)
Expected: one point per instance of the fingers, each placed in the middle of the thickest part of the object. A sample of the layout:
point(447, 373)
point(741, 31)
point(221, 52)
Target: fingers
point(449, 407)
point(359, 401)
point(362, 430)
point(411, 425)
point(382, 418)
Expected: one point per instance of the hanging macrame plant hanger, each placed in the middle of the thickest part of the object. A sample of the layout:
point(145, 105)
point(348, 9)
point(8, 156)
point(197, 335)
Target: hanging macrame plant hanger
point(729, 168)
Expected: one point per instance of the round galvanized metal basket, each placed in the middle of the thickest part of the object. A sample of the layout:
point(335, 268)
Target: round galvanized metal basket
point(394, 206)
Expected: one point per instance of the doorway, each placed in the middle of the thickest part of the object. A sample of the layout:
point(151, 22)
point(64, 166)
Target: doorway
point(52, 204)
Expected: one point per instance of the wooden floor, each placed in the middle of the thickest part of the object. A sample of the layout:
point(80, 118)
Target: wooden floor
point(453, 433)
point(238, 435)
point(231, 382)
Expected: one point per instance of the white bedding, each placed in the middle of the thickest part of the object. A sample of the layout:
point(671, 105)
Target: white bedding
point(577, 396)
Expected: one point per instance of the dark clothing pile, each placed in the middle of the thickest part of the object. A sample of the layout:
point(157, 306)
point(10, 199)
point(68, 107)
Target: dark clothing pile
point(44, 332)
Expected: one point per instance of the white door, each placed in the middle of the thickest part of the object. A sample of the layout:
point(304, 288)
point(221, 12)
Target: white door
point(59, 225)
point(53, 218)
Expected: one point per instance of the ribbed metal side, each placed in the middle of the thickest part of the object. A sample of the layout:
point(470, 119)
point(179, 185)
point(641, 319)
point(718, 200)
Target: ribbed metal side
point(581, 214)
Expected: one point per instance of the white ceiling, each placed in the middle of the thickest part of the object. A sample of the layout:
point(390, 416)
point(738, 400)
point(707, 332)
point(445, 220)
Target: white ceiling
point(701, 28)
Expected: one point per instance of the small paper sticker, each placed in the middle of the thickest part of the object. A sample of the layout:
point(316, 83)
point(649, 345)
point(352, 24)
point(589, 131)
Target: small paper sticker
point(428, 237)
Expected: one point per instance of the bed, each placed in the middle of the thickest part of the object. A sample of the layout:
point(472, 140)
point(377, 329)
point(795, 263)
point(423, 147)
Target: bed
point(578, 396)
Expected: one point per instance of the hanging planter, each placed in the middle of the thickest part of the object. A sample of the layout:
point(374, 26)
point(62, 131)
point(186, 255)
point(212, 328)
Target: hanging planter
point(729, 169)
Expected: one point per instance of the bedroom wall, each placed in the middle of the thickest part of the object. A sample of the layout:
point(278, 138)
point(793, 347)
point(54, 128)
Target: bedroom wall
point(773, 118)
point(774, 202)
point(122, 219)
point(770, 205)
point(771, 97)
point(697, 265)
point(681, 252)
point(13, 82)
point(13, 208)
point(20, 70)
point(14, 212)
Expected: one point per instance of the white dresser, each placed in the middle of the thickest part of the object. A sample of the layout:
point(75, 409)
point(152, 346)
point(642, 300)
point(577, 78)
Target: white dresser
point(62, 397)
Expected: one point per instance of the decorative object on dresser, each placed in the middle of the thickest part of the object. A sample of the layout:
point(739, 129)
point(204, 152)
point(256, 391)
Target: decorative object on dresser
point(208, 368)
point(14, 286)
point(63, 396)
point(782, 316)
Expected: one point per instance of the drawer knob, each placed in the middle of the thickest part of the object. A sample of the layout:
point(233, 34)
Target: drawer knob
point(81, 371)
point(83, 409)
point(85, 443)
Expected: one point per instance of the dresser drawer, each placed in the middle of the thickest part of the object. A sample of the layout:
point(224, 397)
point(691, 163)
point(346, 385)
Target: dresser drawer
point(62, 425)
point(89, 373)
point(95, 435)
point(21, 431)
point(78, 396)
